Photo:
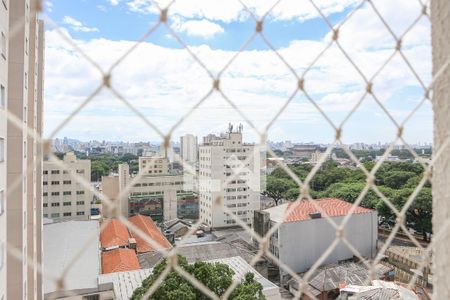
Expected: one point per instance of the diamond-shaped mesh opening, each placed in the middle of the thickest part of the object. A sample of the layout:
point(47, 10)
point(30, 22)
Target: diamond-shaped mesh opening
point(307, 82)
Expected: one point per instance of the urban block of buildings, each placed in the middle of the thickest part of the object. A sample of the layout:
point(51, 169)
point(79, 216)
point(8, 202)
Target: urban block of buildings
point(229, 169)
point(21, 97)
point(157, 193)
point(64, 198)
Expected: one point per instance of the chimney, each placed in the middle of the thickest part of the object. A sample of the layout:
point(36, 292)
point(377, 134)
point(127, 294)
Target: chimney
point(132, 243)
point(315, 215)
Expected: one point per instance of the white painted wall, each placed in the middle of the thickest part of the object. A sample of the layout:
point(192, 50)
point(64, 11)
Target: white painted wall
point(302, 243)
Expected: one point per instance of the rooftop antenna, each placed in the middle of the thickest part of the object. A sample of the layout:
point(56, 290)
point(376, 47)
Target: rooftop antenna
point(230, 128)
point(240, 128)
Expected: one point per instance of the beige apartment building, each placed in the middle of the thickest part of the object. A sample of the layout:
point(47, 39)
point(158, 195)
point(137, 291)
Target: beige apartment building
point(228, 169)
point(63, 197)
point(154, 165)
point(156, 195)
point(21, 84)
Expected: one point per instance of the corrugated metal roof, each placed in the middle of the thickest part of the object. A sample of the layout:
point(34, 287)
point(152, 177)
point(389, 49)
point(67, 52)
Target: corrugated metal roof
point(125, 282)
point(63, 242)
point(303, 208)
point(147, 225)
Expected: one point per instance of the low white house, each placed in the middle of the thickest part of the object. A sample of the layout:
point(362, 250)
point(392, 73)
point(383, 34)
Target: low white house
point(305, 234)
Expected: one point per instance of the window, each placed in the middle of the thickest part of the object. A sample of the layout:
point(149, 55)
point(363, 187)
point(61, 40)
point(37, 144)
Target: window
point(67, 214)
point(80, 202)
point(45, 172)
point(44, 183)
point(67, 182)
point(67, 203)
point(80, 213)
point(55, 215)
point(2, 96)
point(45, 204)
point(55, 193)
point(45, 215)
point(45, 194)
point(3, 45)
point(65, 172)
point(2, 149)
point(2, 202)
point(55, 182)
point(55, 171)
point(80, 171)
point(67, 193)
point(55, 204)
point(80, 192)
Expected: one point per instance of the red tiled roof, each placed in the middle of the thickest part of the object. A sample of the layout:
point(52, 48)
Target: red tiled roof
point(114, 234)
point(147, 225)
point(119, 260)
point(331, 206)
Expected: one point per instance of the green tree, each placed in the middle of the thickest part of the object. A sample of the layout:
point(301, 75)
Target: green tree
point(397, 179)
point(277, 187)
point(217, 277)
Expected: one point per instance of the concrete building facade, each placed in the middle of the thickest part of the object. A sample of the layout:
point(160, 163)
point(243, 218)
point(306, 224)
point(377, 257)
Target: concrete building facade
point(156, 195)
point(305, 235)
point(154, 165)
point(4, 29)
point(189, 149)
point(21, 84)
point(63, 197)
point(228, 169)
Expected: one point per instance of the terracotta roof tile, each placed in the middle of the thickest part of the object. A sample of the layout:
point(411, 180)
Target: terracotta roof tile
point(147, 225)
point(119, 260)
point(114, 234)
point(331, 206)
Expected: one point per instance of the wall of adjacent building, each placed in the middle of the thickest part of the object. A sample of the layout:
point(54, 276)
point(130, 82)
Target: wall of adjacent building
point(72, 197)
point(300, 244)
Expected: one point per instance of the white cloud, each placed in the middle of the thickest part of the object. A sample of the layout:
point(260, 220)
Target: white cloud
point(233, 10)
point(113, 2)
point(165, 83)
point(197, 28)
point(49, 6)
point(77, 25)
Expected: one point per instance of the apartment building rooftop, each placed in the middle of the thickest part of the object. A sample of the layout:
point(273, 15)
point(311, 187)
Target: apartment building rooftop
point(65, 242)
point(306, 210)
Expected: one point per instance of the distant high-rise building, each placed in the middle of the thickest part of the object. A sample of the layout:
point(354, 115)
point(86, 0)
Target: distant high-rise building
point(189, 149)
point(63, 197)
point(230, 169)
point(21, 84)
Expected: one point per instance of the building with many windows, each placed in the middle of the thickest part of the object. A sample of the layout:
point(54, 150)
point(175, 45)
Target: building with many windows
point(230, 170)
point(21, 75)
point(63, 197)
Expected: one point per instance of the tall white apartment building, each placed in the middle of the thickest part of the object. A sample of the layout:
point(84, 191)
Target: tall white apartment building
point(189, 149)
point(21, 75)
point(228, 169)
point(63, 197)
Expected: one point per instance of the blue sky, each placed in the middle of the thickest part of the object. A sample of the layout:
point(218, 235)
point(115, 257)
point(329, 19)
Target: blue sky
point(162, 80)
